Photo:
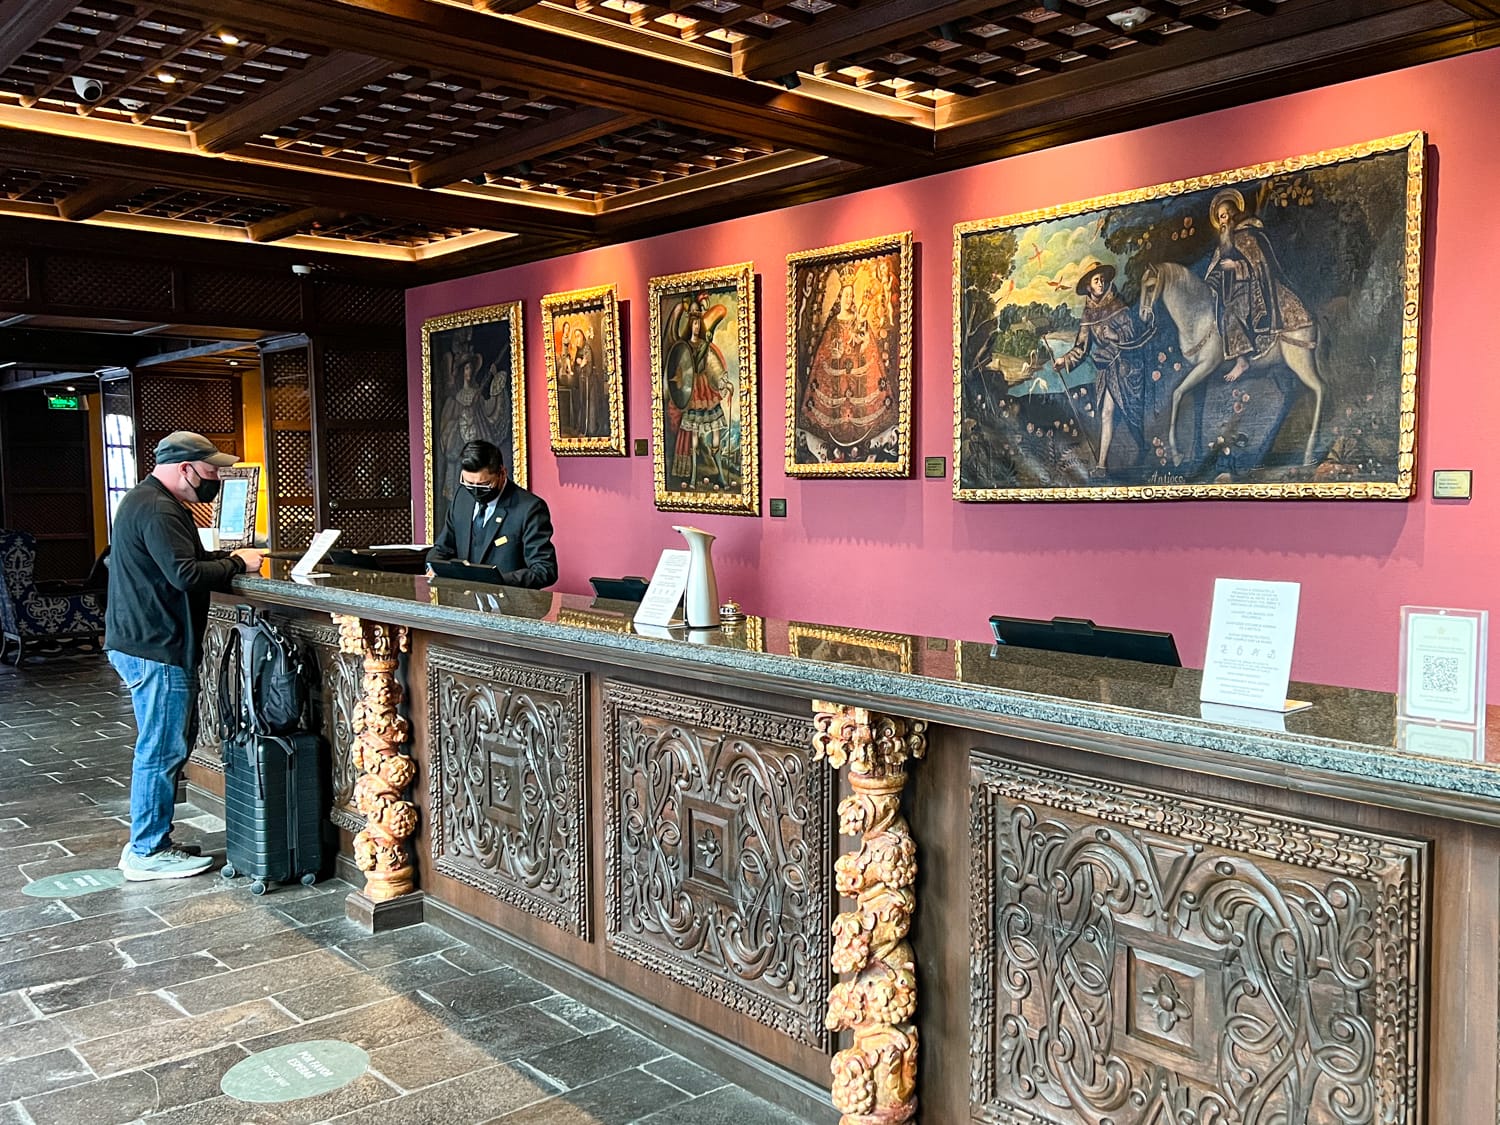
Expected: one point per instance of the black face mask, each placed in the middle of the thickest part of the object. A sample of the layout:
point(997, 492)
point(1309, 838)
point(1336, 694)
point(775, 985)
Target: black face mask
point(482, 493)
point(205, 489)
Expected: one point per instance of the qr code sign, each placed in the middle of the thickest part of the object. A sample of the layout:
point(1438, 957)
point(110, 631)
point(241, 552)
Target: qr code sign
point(1440, 673)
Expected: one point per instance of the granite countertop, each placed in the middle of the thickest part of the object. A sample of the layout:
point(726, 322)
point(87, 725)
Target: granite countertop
point(1349, 743)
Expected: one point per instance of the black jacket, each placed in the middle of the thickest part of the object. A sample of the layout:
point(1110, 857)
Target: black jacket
point(160, 578)
point(518, 537)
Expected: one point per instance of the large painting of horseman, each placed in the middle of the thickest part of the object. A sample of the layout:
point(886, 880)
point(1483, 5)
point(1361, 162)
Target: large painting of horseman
point(1247, 334)
point(705, 444)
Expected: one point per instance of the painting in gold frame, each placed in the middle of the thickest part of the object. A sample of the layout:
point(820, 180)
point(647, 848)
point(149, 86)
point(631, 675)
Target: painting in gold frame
point(848, 359)
point(1248, 334)
point(705, 391)
point(585, 382)
point(473, 386)
point(857, 648)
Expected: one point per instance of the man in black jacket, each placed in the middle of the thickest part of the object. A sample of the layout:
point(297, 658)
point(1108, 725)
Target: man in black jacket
point(495, 522)
point(160, 578)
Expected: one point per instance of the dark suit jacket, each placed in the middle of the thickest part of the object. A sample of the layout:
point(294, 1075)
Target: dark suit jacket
point(518, 537)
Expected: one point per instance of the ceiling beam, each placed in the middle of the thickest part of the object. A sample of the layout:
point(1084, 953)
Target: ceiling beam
point(840, 33)
point(48, 151)
point(516, 145)
point(293, 222)
point(1311, 44)
point(99, 195)
point(526, 55)
point(25, 23)
point(315, 86)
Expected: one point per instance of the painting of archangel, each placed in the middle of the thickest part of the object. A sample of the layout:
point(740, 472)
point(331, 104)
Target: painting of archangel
point(473, 386)
point(1247, 334)
point(848, 361)
point(704, 440)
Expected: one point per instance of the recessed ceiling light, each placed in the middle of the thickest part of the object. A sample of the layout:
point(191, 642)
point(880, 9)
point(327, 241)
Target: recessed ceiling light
point(234, 363)
point(166, 77)
point(72, 388)
point(229, 39)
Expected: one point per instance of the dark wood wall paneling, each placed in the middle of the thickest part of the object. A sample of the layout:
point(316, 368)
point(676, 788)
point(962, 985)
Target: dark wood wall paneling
point(335, 383)
point(209, 405)
point(46, 482)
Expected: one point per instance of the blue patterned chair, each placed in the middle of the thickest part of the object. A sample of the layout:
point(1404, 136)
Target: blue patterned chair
point(30, 614)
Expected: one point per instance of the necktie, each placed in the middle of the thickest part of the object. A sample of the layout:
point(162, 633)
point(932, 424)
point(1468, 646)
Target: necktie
point(476, 539)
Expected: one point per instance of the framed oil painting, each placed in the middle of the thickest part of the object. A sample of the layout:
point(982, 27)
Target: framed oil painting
point(473, 386)
point(235, 505)
point(859, 648)
point(704, 402)
point(848, 359)
point(1247, 334)
point(585, 383)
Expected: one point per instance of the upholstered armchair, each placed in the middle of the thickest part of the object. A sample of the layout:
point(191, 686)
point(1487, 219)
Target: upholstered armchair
point(30, 614)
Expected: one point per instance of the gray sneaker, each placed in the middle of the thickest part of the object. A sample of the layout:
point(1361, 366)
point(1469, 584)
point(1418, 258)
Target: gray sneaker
point(172, 863)
point(185, 849)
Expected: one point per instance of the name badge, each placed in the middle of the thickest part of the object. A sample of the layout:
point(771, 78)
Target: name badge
point(502, 541)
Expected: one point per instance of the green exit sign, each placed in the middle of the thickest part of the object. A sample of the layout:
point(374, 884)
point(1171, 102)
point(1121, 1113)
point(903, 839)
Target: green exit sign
point(63, 402)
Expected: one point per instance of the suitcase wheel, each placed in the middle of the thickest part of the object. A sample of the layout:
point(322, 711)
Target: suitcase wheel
point(310, 878)
point(258, 887)
point(228, 871)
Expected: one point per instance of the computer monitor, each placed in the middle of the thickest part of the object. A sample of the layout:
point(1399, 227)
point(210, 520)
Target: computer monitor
point(627, 589)
point(467, 571)
point(1081, 636)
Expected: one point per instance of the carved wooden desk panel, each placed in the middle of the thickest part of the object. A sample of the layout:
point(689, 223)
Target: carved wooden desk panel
point(1111, 925)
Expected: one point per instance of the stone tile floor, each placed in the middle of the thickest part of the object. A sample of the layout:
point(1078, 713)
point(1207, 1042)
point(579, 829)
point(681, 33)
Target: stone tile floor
point(129, 1004)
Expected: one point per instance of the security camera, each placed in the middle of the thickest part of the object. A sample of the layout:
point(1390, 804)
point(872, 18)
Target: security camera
point(301, 269)
point(88, 89)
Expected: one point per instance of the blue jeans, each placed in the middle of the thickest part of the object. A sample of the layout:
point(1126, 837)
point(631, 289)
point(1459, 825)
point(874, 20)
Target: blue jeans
point(160, 694)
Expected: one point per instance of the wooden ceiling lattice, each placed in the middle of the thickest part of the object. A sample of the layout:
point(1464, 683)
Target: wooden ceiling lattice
point(26, 186)
point(199, 207)
point(403, 130)
point(153, 68)
point(407, 118)
point(643, 156)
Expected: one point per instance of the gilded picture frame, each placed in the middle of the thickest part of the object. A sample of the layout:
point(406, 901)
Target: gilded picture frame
point(1251, 334)
point(705, 392)
point(473, 386)
point(849, 359)
point(236, 504)
point(585, 380)
point(860, 648)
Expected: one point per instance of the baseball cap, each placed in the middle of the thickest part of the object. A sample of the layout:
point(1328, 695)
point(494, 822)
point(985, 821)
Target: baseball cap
point(184, 445)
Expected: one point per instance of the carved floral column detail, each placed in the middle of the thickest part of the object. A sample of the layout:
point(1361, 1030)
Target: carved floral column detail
point(875, 1078)
point(386, 772)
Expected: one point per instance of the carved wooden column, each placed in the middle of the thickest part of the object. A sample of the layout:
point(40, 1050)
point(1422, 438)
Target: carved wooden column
point(386, 773)
point(874, 1079)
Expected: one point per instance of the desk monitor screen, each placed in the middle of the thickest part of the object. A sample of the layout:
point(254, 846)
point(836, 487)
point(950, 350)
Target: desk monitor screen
point(1081, 636)
point(467, 572)
point(627, 589)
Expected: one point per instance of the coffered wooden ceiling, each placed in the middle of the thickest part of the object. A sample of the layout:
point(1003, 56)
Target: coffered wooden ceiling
point(454, 135)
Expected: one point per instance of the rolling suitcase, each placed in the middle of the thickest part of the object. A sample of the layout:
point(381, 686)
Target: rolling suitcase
point(273, 806)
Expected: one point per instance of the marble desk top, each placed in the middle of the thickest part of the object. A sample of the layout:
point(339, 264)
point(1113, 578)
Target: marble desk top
point(1348, 744)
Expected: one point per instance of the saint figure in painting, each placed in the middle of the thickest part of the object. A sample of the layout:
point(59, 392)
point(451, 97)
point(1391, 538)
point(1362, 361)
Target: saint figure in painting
point(697, 385)
point(1255, 304)
point(1115, 339)
point(848, 400)
point(590, 408)
point(478, 404)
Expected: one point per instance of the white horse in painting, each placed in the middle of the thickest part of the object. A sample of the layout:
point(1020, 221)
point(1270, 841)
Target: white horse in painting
point(1190, 303)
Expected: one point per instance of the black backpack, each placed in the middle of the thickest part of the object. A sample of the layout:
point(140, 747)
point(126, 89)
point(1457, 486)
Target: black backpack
point(263, 680)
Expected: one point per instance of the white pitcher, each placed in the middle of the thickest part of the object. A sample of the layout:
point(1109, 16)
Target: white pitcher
point(700, 605)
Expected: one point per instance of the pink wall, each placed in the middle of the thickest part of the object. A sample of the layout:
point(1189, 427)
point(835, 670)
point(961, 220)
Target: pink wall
point(904, 556)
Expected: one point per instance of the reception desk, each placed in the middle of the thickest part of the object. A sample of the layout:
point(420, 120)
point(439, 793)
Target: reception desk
point(919, 877)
